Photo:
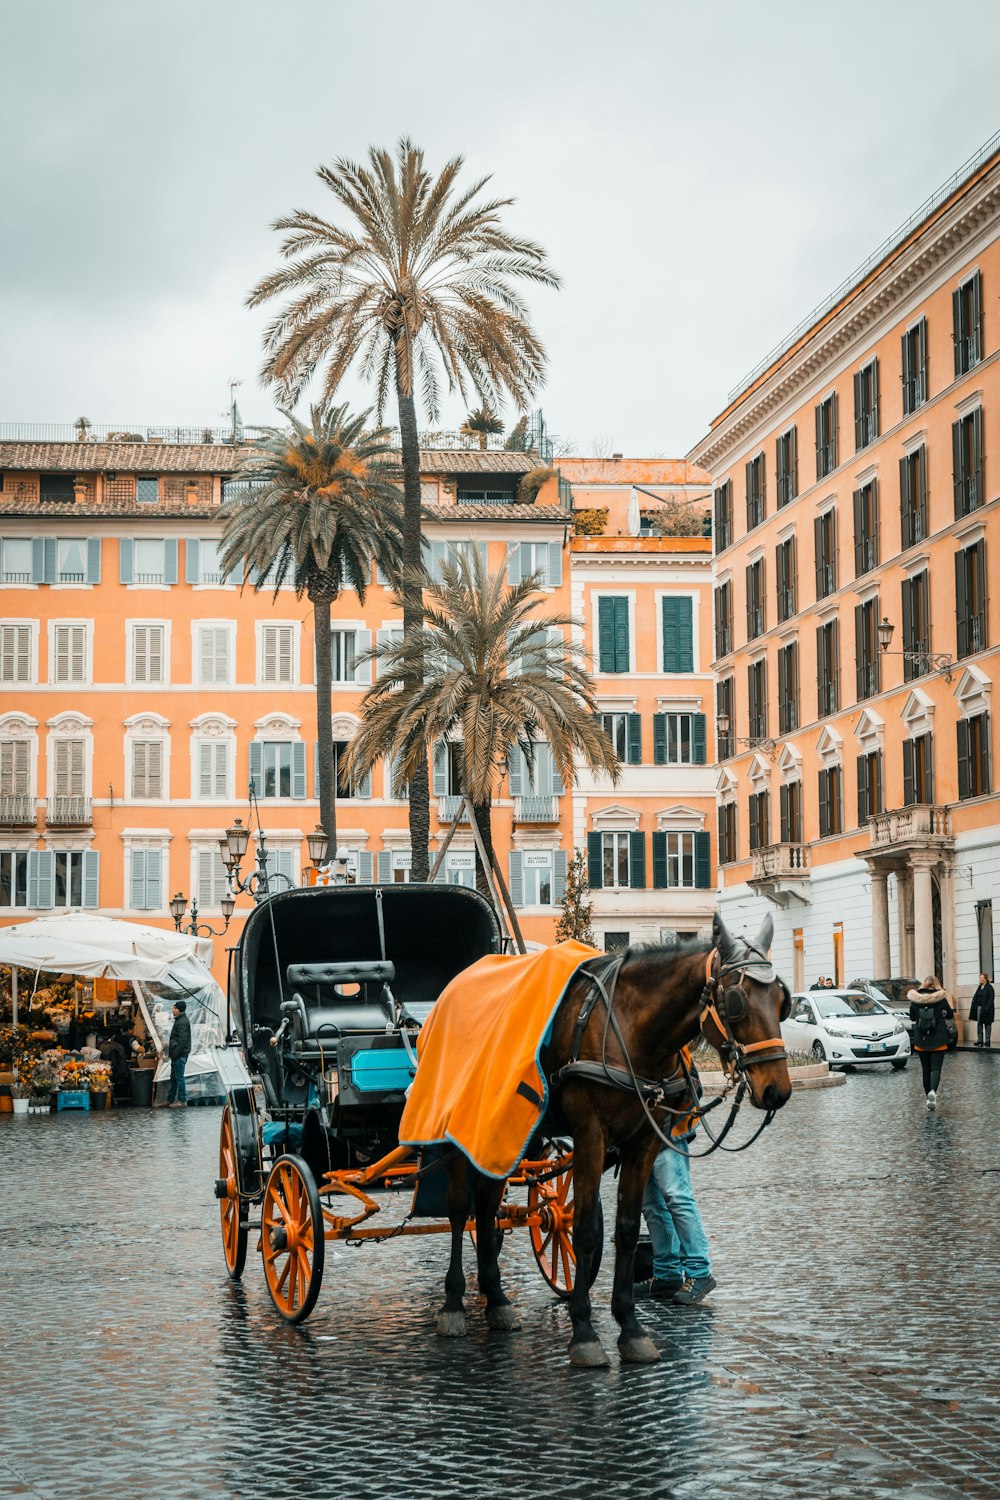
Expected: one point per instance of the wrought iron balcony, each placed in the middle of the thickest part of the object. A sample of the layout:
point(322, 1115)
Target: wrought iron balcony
point(17, 811)
point(68, 812)
point(536, 809)
point(924, 824)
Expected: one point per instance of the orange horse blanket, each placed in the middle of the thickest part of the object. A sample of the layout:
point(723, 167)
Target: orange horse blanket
point(479, 1084)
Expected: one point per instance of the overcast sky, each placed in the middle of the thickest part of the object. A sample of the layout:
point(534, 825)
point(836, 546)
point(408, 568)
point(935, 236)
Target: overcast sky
point(701, 175)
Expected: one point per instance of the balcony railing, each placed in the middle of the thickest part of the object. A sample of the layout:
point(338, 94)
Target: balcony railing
point(909, 825)
point(536, 809)
point(778, 861)
point(68, 812)
point(17, 811)
point(448, 807)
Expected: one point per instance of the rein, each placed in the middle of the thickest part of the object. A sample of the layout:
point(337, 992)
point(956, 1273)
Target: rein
point(736, 1056)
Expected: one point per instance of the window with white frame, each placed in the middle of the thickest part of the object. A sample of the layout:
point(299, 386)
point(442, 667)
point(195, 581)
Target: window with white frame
point(150, 564)
point(69, 652)
point(276, 655)
point(680, 860)
point(393, 866)
point(615, 849)
point(202, 561)
point(543, 558)
point(148, 649)
point(278, 768)
point(14, 877)
point(147, 768)
point(211, 881)
point(537, 876)
point(213, 759)
point(214, 655)
point(145, 879)
point(15, 768)
point(74, 877)
point(460, 867)
point(343, 655)
point(71, 560)
point(69, 772)
point(15, 560)
point(15, 652)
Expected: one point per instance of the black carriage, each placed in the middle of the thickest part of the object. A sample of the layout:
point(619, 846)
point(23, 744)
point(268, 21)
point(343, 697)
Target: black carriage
point(329, 987)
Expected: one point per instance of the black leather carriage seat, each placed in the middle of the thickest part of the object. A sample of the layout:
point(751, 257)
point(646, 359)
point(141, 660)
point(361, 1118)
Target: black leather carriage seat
point(326, 1013)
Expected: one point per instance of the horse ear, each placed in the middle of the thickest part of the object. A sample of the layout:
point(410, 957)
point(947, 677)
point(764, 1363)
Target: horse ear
point(766, 934)
point(722, 938)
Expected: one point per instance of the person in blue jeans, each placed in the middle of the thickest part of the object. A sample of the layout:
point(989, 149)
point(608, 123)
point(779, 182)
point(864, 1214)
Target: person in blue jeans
point(178, 1050)
point(682, 1269)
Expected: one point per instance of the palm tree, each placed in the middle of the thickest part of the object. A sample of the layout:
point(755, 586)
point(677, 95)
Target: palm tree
point(315, 505)
point(474, 629)
point(482, 423)
point(420, 285)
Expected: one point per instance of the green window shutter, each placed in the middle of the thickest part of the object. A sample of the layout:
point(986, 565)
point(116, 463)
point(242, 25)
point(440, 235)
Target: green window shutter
point(606, 634)
point(595, 862)
point(516, 876)
point(126, 553)
point(192, 560)
point(560, 865)
point(785, 823)
point(678, 642)
point(659, 739)
point(93, 573)
point(824, 804)
point(958, 468)
point(909, 773)
point(257, 767)
point(91, 877)
point(621, 636)
point(659, 861)
point(698, 739)
point(637, 861)
point(298, 769)
point(383, 864)
point(635, 739)
point(170, 560)
point(964, 760)
point(702, 861)
point(862, 791)
point(962, 604)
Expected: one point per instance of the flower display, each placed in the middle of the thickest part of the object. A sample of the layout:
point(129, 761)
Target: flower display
point(74, 1074)
point(100, 1077)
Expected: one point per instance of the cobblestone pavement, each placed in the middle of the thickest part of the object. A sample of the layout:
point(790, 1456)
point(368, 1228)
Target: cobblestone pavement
point(848, 1351)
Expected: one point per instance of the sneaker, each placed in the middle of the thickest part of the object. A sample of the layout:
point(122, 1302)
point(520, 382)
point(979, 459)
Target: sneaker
point(932, 1100)
point(660, 1288)
point(695, 1289)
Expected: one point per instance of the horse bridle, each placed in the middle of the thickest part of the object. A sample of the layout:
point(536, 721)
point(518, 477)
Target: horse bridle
point(727, 1004)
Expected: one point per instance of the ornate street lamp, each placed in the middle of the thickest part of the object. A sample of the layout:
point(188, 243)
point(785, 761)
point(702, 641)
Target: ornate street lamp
point(722, 725)
point(191, 923)
point(926, 661)
point(316, 843)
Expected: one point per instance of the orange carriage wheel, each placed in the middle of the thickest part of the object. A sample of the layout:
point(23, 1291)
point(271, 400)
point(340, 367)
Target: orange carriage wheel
point(231, 1209)
point(291, 1238)
point(552, 1236)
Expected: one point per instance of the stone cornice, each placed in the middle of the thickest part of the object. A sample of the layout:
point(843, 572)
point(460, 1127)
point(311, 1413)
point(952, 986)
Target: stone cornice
point(848, 325)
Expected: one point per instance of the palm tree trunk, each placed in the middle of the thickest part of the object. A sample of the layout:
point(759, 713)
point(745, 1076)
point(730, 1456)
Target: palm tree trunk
point(324, 724)
point(413, 612)
point(482, 442)
point(483, 823)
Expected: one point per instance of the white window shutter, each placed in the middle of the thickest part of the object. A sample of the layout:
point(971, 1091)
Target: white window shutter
point(137, 896)
point(298, 769)
point(154, 768)
point(516, 877)
point(365, 867)
point(192, 560)
point(154, 879)
point(554, 578)
point(363, 669)
point(560, 862)
point(41, 878)
point(206, 762)
point(513, 563)
point(383, 864)
point(91, 878)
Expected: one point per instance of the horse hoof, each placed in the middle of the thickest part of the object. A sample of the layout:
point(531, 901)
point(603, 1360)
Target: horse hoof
point(588, 1357)
point(451, 1325)
point(640, 1351)
point(502, 1318)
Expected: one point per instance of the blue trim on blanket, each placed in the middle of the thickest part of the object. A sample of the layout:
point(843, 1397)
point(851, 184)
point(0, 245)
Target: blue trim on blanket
point(448, 1140)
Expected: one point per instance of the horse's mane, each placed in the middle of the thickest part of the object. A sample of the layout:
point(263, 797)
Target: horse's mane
point(662, 953)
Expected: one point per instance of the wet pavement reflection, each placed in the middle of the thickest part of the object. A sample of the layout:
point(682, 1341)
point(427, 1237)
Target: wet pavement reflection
point(849, 1349)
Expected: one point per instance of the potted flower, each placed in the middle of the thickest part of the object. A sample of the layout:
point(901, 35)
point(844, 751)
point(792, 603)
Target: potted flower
point(21, 1091)
point(43, 1086)
point(100, 1084)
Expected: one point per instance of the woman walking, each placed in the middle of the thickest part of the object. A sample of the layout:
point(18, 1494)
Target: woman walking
point(930, 1009)
point(981, 1011)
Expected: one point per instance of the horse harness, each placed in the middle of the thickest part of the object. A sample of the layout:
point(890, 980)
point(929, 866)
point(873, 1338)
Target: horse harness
point(725, 1005)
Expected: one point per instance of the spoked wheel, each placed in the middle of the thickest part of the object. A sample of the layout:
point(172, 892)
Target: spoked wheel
point(291, 1238)
point(234, 1227)
point(552, 1237)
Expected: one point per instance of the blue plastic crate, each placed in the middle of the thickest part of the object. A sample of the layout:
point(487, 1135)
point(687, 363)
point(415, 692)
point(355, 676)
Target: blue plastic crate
point(72, 1099)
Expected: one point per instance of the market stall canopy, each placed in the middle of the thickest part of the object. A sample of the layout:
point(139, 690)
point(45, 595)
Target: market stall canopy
point(99, 947)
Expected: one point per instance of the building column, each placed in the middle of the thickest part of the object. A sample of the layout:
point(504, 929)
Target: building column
point(923, 916)
point(903, 922)
point(946, 882)
point(881, 962)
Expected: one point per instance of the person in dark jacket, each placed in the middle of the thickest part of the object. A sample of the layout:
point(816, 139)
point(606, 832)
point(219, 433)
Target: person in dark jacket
point(981, 1011)
point(930, 1009)
point(178, 1050)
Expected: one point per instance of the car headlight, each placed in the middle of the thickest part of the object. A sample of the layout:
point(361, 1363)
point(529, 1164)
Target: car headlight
point(836, 1031)
point(899, 1030)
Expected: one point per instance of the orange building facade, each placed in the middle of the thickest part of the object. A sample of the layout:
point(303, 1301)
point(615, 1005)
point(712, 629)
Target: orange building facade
point(140, 691)
point(856, 482)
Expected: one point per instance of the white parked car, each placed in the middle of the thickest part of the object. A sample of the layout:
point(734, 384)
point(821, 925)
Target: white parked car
point(846, 1029)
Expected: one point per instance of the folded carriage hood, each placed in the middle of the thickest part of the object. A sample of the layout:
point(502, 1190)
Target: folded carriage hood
point(432, 932)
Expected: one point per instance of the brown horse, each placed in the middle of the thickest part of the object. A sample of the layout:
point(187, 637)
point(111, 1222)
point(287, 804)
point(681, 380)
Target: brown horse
point(613, 1061)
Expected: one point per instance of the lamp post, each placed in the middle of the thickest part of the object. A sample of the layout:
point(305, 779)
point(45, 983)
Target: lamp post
point(261, 882)
point(926, 661)
point(722, 725)
point(191, 924)
point(316, 843)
